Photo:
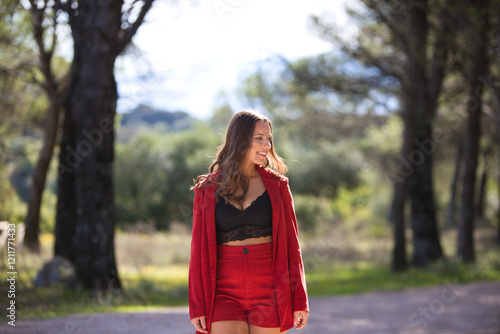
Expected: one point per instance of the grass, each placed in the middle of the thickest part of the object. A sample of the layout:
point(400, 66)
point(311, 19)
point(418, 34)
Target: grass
point(348, 263)
point(371, 277)
point(154, 269)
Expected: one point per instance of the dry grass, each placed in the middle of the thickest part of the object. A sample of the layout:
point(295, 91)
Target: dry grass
point(154, 269)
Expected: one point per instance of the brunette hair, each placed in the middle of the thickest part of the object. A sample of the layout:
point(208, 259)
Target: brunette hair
point(232, 154)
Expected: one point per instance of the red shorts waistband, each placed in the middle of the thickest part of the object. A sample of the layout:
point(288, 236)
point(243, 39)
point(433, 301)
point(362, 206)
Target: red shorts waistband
point(248, 250)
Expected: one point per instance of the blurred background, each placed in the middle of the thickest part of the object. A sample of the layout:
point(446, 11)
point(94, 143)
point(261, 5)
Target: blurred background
point(387, 115)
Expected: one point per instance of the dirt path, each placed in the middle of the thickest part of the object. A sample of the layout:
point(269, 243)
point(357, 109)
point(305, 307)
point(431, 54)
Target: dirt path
point(447, 309)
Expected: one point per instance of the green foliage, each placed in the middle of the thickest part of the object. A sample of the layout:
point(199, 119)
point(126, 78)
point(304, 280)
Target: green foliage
point(385, 140)
point(221, 117)
point(354, 206)
point(363, 277)
point(312, 213)
point(12, 209)
point(154, 171)
point(22, 106)
point(362, 207)
point(47, 211)
point(321, 170)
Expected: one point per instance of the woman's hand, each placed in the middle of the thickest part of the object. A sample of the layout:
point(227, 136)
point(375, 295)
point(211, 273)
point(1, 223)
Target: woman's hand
point(300, 319)
point(200, 323)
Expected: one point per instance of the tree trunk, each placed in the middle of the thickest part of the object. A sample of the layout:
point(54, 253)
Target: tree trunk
point(452, 204)
point(427, 247)
point(498, 213)
point(51, 86)
point(466, 224)
point(397, 213)
point(85, 212)
point(86, 217)
point(85, 209)
point(421, 104)
point(496, 94)
point(65, 237)
point(481, 202)
point(478, 42)
point(32, 220)
point(482, 195)
point(397, 218)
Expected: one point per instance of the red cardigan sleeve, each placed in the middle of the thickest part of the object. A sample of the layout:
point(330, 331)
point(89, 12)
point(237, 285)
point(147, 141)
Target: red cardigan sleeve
point(297, 276)
point(196, 295)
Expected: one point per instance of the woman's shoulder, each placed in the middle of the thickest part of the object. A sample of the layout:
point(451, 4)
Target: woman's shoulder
point(267, 172)
point(281, 181)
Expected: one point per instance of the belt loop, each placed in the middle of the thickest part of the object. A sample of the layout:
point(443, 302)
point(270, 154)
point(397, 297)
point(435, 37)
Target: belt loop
point(269, 249)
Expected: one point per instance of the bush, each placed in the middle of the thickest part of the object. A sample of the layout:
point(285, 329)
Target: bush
point(322, 170)
point(153, 174)
point(312, 213)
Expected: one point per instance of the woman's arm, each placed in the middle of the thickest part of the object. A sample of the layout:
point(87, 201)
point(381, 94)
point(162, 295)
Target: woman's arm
point(297, 276)
point(196, 294)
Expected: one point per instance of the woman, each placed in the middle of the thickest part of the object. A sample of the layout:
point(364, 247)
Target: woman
point(246, 272)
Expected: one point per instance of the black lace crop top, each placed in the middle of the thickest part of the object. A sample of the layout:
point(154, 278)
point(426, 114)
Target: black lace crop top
point(234, 224)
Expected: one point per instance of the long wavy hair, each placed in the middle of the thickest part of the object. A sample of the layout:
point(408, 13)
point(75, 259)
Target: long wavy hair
point(232, 155)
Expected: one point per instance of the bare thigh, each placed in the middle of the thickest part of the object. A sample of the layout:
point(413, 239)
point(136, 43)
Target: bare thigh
point(229, 327)
point(263, 330)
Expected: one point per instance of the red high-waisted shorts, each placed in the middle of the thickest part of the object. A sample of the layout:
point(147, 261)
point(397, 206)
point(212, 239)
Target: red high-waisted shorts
point(244, 288)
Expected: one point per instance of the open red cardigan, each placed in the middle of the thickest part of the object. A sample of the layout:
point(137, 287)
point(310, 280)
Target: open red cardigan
point(289, 278)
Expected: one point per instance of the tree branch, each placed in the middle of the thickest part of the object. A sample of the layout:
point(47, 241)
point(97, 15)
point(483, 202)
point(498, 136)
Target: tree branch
point(395, 30)
point(53, 42)
point(45, 57)
point(66, 7)
point(127, 13)
point(441, 47)
point(379, 63)
point(130, 32)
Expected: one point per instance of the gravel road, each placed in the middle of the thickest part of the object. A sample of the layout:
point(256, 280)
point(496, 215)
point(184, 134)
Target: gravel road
point(446, 309)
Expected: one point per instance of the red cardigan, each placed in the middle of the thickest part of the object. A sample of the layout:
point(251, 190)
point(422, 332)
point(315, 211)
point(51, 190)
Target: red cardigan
point(289, 278)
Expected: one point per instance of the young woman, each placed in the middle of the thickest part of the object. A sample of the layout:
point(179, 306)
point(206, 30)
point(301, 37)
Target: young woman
point(246, 272)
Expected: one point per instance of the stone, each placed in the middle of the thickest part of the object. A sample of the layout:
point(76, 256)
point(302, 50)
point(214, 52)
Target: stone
point(56, 271)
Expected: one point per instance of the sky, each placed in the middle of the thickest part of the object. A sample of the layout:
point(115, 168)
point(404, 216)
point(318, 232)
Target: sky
point(185, 56)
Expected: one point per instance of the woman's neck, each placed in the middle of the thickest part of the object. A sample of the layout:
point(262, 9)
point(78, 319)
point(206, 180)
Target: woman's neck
point(250, 171)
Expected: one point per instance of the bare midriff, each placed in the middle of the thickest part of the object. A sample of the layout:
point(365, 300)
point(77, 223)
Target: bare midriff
point(250, 241)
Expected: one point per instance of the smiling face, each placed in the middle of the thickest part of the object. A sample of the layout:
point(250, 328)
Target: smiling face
point(261, 144)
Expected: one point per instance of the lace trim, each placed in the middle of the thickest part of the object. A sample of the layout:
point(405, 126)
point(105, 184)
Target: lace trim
point(251, 204)
point(244, 232)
